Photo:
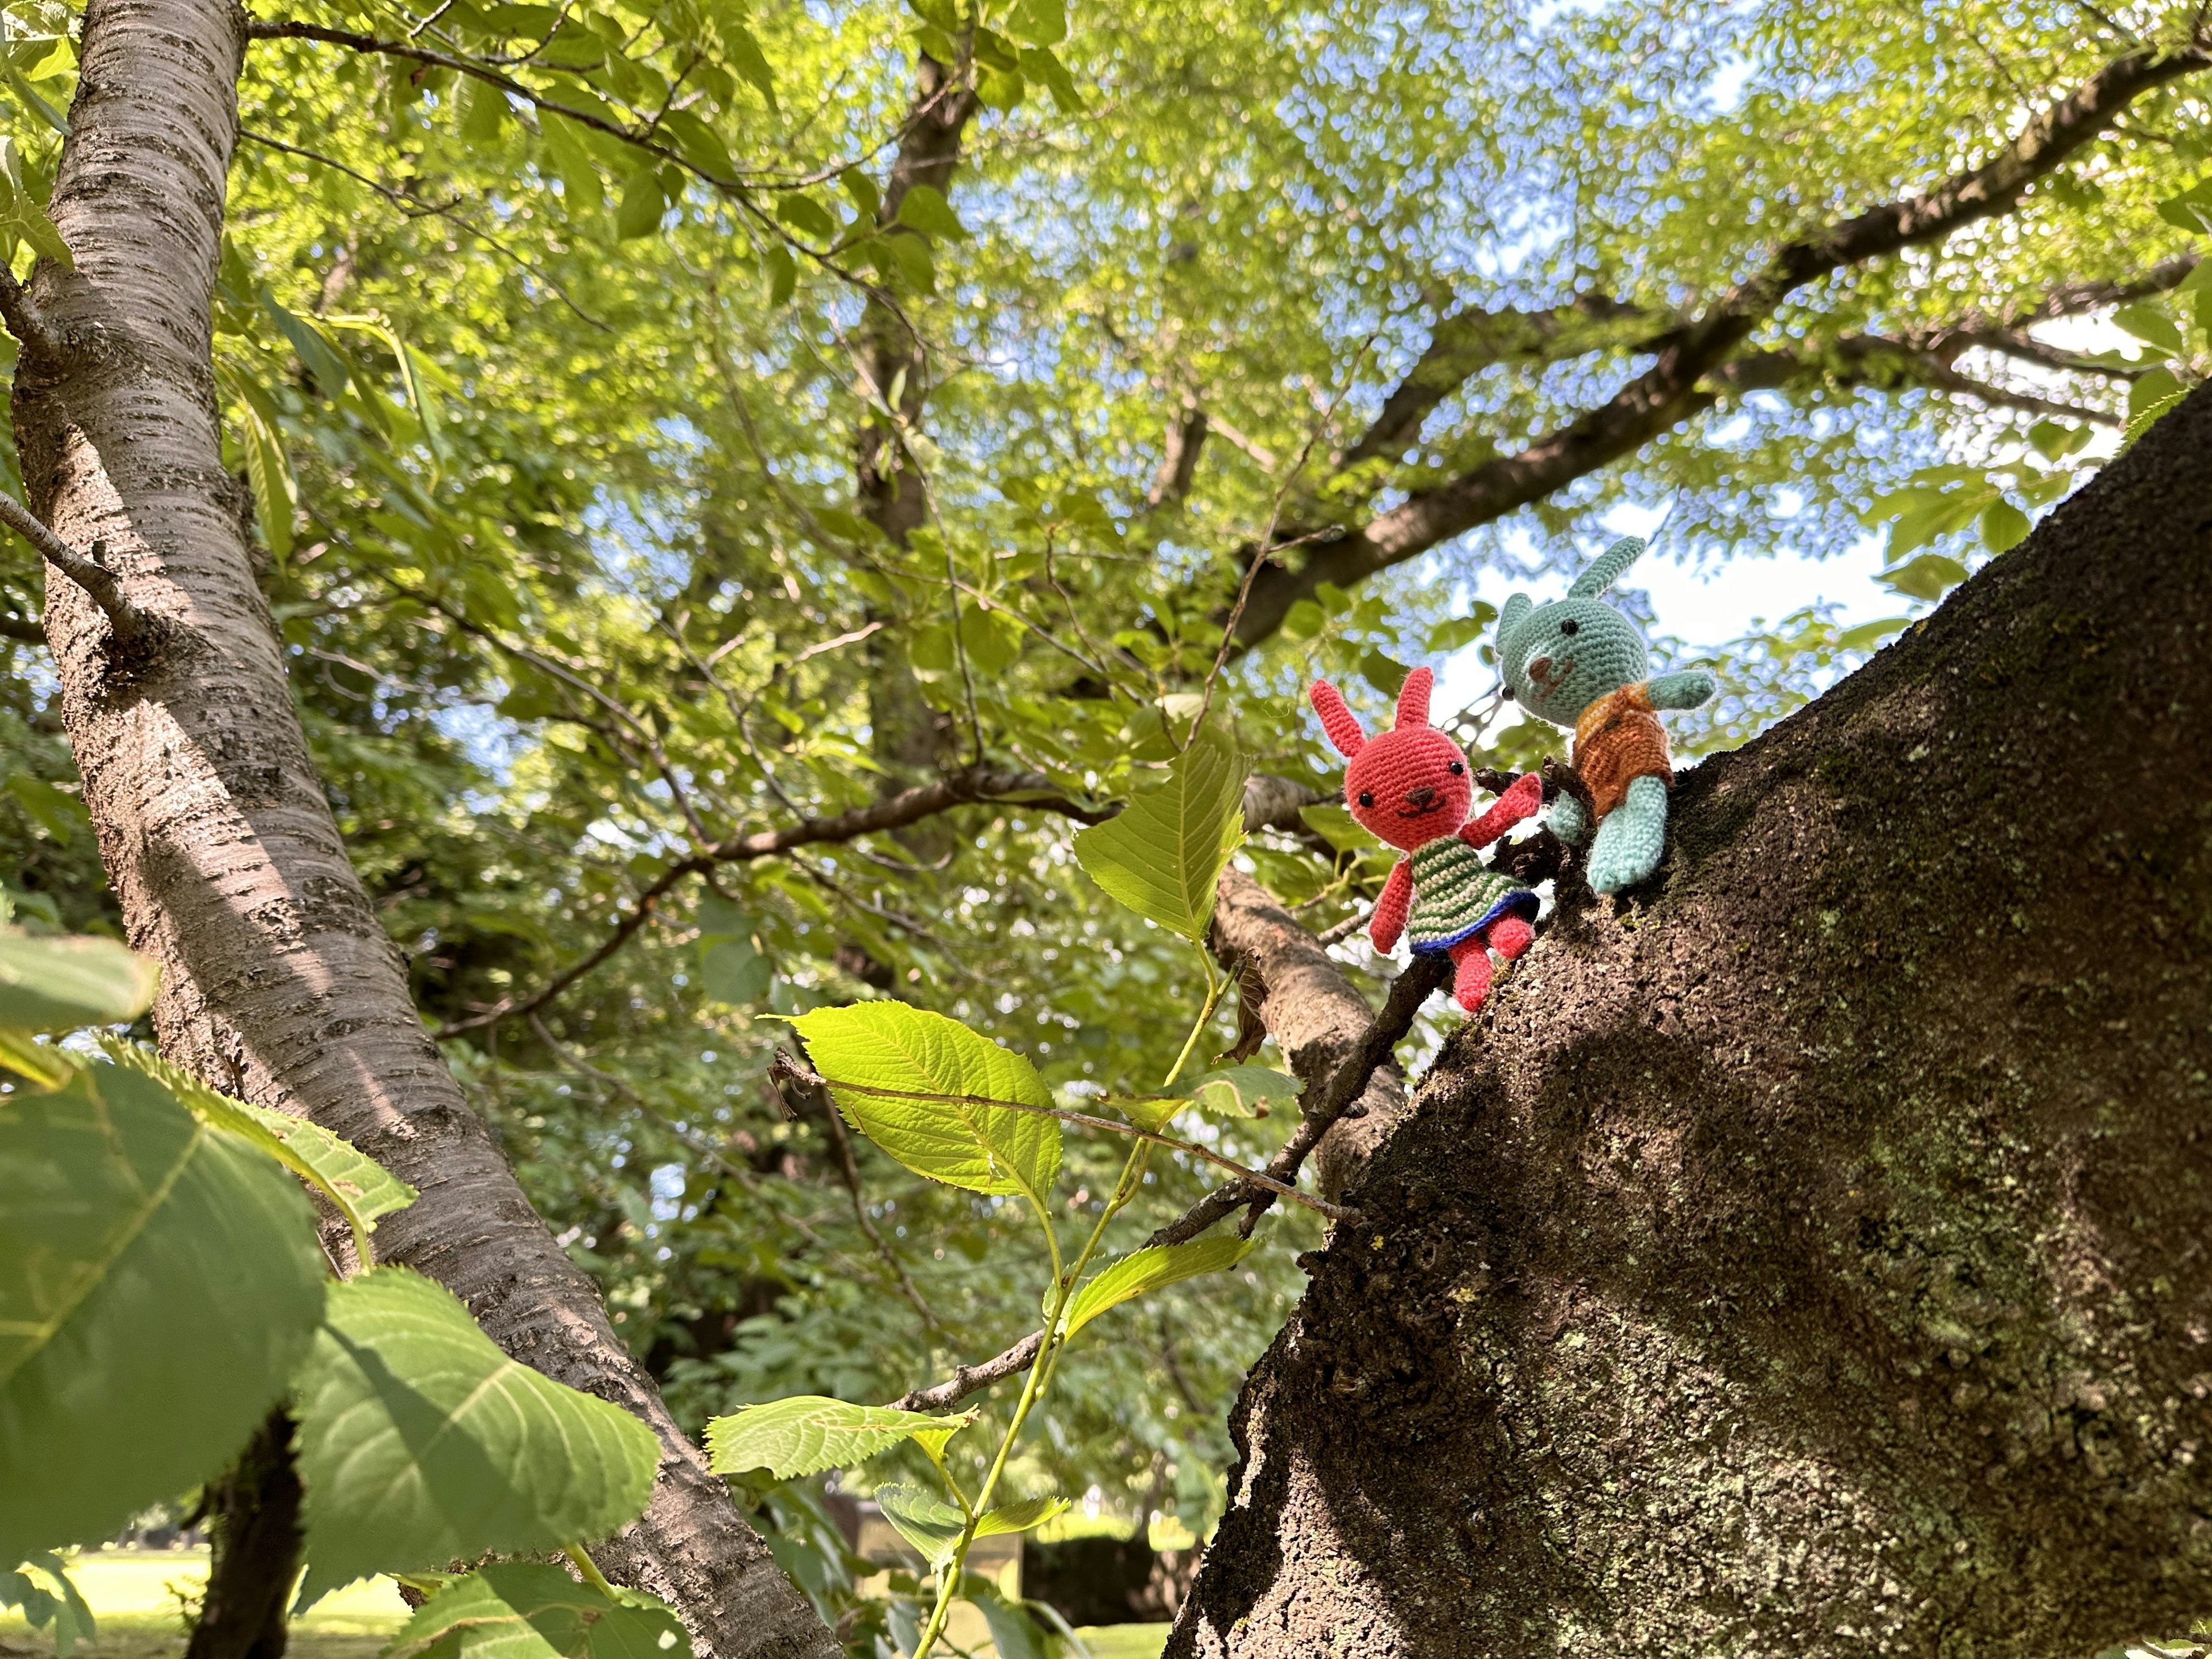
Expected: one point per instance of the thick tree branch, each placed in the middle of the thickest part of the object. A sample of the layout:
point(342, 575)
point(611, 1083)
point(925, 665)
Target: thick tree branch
point(1869, 360)
point(128, 621)
point(1471, 340)
point(1667, 392)
point(969, 788)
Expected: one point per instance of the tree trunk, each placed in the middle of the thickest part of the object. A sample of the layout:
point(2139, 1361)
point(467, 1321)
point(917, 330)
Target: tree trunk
point(1811, 1256)
point(278, 983)
point(254, 1512)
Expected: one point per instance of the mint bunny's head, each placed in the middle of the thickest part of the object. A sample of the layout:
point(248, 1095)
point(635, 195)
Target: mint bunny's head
point(1559, 659)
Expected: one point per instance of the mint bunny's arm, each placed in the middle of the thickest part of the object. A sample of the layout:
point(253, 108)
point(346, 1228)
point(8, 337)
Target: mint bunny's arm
point(1685, 690)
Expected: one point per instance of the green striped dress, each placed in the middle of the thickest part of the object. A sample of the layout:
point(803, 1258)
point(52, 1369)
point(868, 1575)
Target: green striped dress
point(1457, 896)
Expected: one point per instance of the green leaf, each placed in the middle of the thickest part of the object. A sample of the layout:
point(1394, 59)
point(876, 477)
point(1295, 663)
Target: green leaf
point(2149, 322)
point(268, 471)
point(1333, 822)
point(59, 984)
point(743, 53)
point(1867, 635)
point(1930, 576)
point(925, 208)
point(483, 113)
point(805, 215)
point(1149, 1269)
point(421, 1443)
point(1014, 1633)
point(33, 99)
point(527, 1610)
point(581, 189)
point(54, 809)
point(909, 256)
point(890, 1046)
point(732, 970)
point(321, 359)
point(359, 1188)
point(782, 273)
point(2151, 396)
point(1384, 673)
point(2004, 526)
point(1039, 63)
point(2055, 442)
point(1244, 1091)
point(934, 1526)
point(809, 1433)
point(63, 1607)
point(159, 1282)
point(1163, 854)
point(1304, 620)
point(867, 200)
point(701, 145)
point(2191, 210)
point(641, 205)
point(1457, 632)
point(1040, 23)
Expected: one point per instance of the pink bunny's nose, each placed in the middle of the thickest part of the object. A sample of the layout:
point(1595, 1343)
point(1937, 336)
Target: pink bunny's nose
point(1420, 799)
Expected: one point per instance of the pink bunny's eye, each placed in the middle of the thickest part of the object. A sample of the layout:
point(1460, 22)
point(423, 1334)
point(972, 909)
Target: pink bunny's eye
point(1367, 798)
point(1457, 770)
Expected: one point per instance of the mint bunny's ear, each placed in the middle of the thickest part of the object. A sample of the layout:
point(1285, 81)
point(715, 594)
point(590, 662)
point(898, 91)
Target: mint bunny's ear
point(1336, 719)
point(1515, 612)
point(1606, 567)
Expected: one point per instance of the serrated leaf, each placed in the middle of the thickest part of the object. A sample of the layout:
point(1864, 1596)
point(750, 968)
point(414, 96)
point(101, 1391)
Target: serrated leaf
point(867, 200)
point(1041, 63)
point(421, 1443)
point(59, 984)
point(924, 209)
point(581, 190)
point(1040, 23)
point(269, 472)
point(1457, 632)
point(1149, 1269)
point(527, 1610)
point(362, 1188)
point(1867, 635)
point(809, 1433)
point(1163, 853)
point(742, 53)
point(782, 273)
point(701, 145)
point(890, 1046)
point(159, 1283)
point(934, 1526)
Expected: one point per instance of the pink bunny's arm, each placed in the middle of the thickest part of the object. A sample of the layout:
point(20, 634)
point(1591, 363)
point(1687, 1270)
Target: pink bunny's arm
point(1523, 800)
point(1391, 909)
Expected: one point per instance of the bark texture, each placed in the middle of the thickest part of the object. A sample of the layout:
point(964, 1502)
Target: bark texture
point(278, 983)
point(255, 1510)
point(1810, 1256)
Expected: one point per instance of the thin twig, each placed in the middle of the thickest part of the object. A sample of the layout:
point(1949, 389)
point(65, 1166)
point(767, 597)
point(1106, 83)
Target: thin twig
point(1337, 1093)
point(966, 1379)
point(849, 1167)
point(128, 620)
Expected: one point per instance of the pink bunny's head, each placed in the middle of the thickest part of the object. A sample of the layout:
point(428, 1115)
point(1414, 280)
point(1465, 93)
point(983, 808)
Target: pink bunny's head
point(1408, 785)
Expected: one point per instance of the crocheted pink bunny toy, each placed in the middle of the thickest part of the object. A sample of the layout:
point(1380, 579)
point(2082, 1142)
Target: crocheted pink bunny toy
point(1409, 787)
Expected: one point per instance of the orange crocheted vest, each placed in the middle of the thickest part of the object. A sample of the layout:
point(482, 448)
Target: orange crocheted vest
point(1617, 740)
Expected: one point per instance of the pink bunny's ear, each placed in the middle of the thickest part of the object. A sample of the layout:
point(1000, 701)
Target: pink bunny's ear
point(1414, 699)
point(1336, 719)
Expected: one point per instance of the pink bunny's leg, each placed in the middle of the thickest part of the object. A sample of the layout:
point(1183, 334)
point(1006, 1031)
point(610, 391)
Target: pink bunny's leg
point(1510, 936)
point(1472, 962)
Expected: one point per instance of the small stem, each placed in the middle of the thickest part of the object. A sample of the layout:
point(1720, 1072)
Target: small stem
point(1033, 1386)
point(1213, 985)
point(95, 578)
point(589, 1568)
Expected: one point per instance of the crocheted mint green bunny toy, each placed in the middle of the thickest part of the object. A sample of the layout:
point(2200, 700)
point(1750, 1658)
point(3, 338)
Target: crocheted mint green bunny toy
point(1578, 662)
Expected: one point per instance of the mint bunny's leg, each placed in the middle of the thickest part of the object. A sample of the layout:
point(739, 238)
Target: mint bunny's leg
point(1631, 837)
point(1471, 960)
point(1565, 818)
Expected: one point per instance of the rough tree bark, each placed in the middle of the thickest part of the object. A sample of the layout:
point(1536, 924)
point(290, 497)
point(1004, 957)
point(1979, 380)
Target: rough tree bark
point(1810, 1254)
point(278, 983)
